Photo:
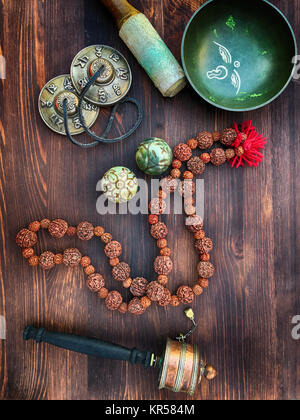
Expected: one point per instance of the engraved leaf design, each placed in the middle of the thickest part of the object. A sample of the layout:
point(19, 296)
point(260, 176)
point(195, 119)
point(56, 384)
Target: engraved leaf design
point(236, 81)
point(224, 52)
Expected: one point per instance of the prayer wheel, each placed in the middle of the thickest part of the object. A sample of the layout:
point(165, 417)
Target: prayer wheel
point(181, 366)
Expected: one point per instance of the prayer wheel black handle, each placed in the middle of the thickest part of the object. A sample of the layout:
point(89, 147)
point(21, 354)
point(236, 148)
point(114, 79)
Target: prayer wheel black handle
point(89, 346)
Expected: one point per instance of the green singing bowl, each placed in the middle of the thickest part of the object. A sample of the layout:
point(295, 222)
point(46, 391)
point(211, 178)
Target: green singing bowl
point(238, 55)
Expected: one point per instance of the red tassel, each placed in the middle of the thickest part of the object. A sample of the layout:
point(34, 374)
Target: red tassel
point(252, 145)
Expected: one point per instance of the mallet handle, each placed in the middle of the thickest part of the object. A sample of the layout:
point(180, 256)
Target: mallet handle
point(120, 9)
point(89, 346)
point(148, 48)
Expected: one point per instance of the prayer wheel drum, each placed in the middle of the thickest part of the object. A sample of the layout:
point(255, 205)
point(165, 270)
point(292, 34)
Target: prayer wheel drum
point(182, 368)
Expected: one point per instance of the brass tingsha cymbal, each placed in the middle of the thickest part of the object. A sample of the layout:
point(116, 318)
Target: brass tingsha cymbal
point(114, 82)
point(51, 102)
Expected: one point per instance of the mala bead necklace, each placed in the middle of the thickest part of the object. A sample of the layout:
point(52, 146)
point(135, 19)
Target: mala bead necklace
point(144, 292)
point(243, 147)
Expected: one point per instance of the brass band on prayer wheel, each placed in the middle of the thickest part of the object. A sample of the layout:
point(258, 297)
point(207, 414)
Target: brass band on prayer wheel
point(181, 368)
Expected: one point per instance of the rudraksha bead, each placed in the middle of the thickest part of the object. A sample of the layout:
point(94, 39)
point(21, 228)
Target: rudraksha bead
point(58, 259)
point(204, 246)
point(218, 157)
point(166, 298)
point(182, 152)
point(106, 238)
point(200, 234)
point(113, 249)
point(58, 228)
point(192, 143)
point(34, 261)
point(153, 219)
point(123, 308)
point(85, 231)
point(28, 253)
point(90, 269)
point(159, 231)
point(157, 206)
point(162, 279)
point(204, 283)
point(85, 262)
point(188, 175)
point(197, 289)
point(228, 137)
point(95, 282)
point(99, 231)
point(174, 301)
point(34, 226)
point(165, 252)
point(113, 301)
point(138, 286)
point(216, 136)
point(230, 154)
point(127, 283)
point(47, 260)
point(205, 140)
point(161, 243)
point(194, 223)
point(135, 307)
point(155, 291)
point(72, 257)
point(146, 302)
point(185, 294)
point(163, 265)
point(205, 157)
point(205, 257)
point(190, 210)
point(103, 293)
point(187, 188)
point(196, 165)
point(176, 164)
point(239, 151)
point(71, 231)
point(26, 239)
point(121, 272)
point(113, 262)
point(45, 223)
point(175, 173)
point(243, 137)
point(189, 201)
point(205, 269)
point(169, 184)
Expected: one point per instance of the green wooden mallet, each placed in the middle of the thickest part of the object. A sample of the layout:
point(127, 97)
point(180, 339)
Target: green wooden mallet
point(148, 48)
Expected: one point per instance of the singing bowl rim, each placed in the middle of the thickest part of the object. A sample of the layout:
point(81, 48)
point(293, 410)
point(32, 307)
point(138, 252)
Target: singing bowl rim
point(226, 108)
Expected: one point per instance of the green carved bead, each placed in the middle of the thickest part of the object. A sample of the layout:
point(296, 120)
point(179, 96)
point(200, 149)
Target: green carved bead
point(154, 156)
point(119, 184)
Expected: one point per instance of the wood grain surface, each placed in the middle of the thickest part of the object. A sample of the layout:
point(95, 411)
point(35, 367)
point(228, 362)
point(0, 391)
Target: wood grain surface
point(253, 216)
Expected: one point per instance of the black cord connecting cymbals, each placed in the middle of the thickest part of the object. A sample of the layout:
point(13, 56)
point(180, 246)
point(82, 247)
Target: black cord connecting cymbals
point(103, 138)
point(70, 104)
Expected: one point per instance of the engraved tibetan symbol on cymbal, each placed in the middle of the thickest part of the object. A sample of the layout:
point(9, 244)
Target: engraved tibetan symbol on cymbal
point(113, 83)
point(51, 102)
point(107, 74)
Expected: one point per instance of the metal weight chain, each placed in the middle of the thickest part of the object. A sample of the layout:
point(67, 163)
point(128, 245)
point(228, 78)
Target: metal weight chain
point(103, 138)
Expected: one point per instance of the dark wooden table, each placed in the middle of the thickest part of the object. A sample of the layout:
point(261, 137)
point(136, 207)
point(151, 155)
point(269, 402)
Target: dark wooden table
point(245, 317)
